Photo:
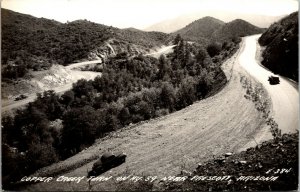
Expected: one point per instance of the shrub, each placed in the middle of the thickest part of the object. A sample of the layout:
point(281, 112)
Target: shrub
point(213, 49)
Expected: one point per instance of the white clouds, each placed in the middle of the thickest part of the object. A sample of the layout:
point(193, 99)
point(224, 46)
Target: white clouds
point(141, 13)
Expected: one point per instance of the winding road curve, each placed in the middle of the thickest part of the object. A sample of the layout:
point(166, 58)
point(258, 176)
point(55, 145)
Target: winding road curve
point(284, 96)
point(225, 122)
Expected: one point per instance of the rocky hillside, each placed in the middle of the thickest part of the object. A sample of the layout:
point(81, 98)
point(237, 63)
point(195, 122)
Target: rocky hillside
point(200, 30)
point(281, 52)
point(235, 28)
point(37, 43)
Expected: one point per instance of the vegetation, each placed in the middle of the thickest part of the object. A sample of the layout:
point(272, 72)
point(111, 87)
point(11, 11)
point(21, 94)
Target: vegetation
point(130, 90)
point(281, 52)
point(200, 30)
point(209, 30)
point(256, 93)
point(30, 43)
point(235, 28)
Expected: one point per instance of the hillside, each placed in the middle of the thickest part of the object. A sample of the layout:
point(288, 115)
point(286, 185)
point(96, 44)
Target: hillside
point(129, 90)
point(235, 28)
point(201, 29)
point(208, 30)
point(281, 52)
point(9, 18)
point(249, 170)
point(37, 43)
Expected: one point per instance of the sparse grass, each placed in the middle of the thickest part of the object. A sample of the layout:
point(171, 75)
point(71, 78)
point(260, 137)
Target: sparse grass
point(257, 94)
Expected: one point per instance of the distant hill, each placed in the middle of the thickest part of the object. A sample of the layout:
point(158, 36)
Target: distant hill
point(132, 29)
point(11, 18)
point(208, 29)
point(200, 30)
point(281, 52)
point(172, 25)
point(36, 43)
point(235, 28)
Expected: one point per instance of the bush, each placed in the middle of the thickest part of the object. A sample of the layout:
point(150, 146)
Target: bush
point(80, 125)
point(168, 96)
point(40, 155)
point(213, 49)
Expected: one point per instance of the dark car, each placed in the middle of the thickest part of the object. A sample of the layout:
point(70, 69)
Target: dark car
point(20, 97)
point(107, 161)
point(273, 80)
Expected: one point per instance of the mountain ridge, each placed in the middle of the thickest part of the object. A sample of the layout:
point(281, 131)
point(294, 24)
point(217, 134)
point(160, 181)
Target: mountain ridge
point(35, 43)
point(236, 28)
point(200, 29)
point(209, 29)
point(172, 25)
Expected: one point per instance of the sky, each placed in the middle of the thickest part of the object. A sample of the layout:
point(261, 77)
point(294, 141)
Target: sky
point(141, 13)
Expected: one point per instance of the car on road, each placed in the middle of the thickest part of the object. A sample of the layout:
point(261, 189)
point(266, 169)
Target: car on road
point(273, 80)
point(20, 97)
point(107, 161)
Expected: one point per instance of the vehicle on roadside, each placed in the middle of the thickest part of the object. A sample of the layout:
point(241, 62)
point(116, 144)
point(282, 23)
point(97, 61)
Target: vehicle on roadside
point(107, 161)
point(273, 80)
point(20, 97)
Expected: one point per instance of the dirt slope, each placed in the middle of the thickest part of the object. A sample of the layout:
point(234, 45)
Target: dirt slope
point(162, 50)
point(225, 122)
point(57, 78)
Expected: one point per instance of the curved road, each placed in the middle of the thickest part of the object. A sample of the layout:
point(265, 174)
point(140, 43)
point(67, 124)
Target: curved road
point(225, 122)
point(284, 96)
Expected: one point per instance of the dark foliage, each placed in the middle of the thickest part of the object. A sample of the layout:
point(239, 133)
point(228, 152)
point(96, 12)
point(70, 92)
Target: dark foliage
point(208, 30)
point(281, 41)
point(80, 127)
point(36, 43)
point(200, 30)
point(234, 29)
point(214, 49)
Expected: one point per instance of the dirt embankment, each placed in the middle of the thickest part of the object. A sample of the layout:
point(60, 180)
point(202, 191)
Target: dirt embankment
point(57, 78)
point(161, 50)
point(225, 122)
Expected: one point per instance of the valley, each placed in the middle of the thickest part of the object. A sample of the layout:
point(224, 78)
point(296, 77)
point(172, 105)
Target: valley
point(225, 122)
point(194, 99)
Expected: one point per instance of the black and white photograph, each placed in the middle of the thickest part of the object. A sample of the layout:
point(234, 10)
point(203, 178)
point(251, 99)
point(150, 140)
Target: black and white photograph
point(149, 95)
